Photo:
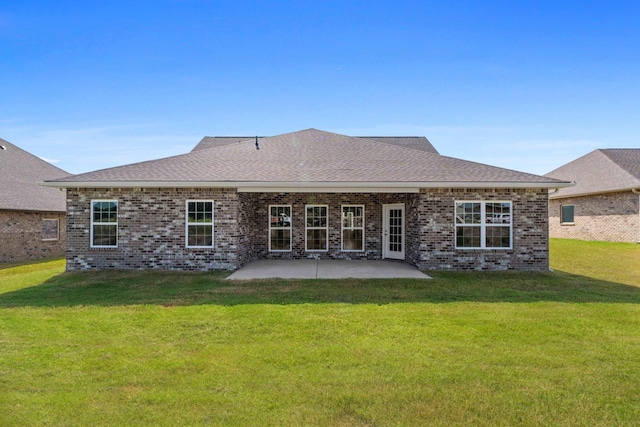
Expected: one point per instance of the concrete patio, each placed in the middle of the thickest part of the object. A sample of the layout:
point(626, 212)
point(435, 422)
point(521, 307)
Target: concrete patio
point(326, 269)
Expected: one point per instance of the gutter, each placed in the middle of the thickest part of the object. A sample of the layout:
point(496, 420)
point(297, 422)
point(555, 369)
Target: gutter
point(257, 186)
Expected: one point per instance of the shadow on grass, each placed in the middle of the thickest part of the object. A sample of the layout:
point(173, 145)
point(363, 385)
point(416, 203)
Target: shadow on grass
point(111, 288)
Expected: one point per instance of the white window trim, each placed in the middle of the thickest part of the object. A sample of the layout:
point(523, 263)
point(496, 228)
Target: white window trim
point(342, 228)
point(326, 229)
point(483, 225)
point(107, 223)
point(290, 228)
point(57, 229)
point(186, 223)
point(574, 216)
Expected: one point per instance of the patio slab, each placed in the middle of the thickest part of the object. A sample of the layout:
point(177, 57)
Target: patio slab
point(326, 269)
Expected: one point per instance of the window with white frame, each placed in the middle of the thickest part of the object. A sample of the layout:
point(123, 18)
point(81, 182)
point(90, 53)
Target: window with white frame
point(199, 226)
point(280, 228)
point(353, 228)
point(316, 227)
point(567, 214)
point(104, 223)
point(483, 225)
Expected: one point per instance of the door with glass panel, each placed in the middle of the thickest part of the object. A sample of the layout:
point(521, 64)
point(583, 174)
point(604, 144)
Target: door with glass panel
point(393, 239)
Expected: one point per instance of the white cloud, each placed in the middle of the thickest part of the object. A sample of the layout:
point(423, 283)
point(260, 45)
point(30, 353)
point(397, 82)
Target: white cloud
point(52, 161)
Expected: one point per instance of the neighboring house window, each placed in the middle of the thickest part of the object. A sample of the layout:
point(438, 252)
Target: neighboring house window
point(104, 223)
point(280, 228)
point(316, 227)
point(352, 228)
point(50, 229)
point(483, 225)
point(199, 223)
point(566, 214)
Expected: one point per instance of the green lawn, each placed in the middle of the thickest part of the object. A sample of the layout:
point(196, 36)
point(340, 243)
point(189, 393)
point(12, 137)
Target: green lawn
point(161, 348)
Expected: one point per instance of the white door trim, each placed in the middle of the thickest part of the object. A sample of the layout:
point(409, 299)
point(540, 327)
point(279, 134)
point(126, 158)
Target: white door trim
point(393, 250)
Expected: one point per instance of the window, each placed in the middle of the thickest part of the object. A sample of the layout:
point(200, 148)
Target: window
point(566, 214)
point(352, 228)
point(316, 227)
point(199, 223)
point(280, 228)
point(50, 229)
point(104, 223)
point(483, 225)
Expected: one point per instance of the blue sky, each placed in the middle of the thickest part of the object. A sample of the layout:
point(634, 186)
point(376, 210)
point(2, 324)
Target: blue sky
point(527, 85)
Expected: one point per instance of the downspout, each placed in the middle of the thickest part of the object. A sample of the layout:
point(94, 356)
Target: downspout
point(637, 191)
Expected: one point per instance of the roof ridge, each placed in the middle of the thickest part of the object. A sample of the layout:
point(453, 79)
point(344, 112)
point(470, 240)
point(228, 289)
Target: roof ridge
point(618, 165)
point(400, 146)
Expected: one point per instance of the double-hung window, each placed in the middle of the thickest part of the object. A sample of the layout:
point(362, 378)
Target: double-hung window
point(353, 228)
point(199, 224)
point(104, 223)
point(280, 228)
point(316, 227)
point(483, 225)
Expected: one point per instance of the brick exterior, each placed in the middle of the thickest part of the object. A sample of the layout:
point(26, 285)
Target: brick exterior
point(612, 217)
point(21, 236)
point(435, 233)
point(151, 229)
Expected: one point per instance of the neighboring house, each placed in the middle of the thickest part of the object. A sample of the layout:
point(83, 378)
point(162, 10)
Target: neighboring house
point(32, 217)
point(307, 194)
point(605, 202)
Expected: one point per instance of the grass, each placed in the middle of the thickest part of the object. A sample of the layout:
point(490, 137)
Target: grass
point(163, 348)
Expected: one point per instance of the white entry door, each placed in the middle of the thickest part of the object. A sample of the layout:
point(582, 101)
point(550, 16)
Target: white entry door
point(393, 231)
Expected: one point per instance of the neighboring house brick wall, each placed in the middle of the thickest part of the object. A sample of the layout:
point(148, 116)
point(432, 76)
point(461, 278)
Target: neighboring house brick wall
point(613, 217)
point(151, 230)
point(437, 231)
point(21, 236)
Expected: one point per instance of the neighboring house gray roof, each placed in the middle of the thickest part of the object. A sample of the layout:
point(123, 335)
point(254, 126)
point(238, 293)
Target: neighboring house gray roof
point(601, 171)
point(308, 158)
point(415, 142)
point(20, 173)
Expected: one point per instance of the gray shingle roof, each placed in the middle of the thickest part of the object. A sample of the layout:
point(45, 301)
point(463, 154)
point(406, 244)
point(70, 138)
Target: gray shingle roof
point(20, 173)
point(601, 171)
point(219, 141)
point(415, 142)
point(308, 156)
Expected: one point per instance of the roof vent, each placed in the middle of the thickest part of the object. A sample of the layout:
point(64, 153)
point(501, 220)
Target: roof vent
point(2, 147)
point(257, 145)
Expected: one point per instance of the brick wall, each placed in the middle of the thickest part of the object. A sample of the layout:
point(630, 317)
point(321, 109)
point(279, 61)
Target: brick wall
point(613, 217)
point(152, 229)
point(21, 236)
point(436, 231)
point(256, 207)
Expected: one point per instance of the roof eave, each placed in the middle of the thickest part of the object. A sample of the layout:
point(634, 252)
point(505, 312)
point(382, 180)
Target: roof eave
point(595, 193)
point(264, 186)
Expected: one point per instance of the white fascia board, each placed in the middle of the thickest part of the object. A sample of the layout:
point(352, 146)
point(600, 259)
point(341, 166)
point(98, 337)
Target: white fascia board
point(594, 193)
point(244, 186)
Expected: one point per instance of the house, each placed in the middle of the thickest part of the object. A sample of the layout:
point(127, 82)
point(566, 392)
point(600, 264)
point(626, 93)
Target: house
point(605, 202)
point(32, 217)
point(307, 194)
